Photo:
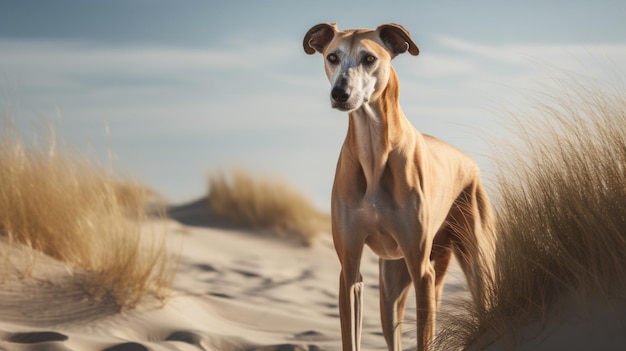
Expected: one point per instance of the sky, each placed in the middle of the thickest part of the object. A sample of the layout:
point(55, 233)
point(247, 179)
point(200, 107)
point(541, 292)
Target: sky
point(168, 91)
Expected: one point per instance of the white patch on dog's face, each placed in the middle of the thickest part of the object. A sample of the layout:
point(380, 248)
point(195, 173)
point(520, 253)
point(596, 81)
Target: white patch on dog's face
point(353, 72)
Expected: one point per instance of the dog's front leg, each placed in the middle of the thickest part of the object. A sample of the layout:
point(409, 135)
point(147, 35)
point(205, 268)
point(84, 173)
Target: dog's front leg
point(394, 285)
point(350, 291)
point(351, 310)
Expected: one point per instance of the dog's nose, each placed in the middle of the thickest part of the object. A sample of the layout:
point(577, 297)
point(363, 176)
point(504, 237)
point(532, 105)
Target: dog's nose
point(339, 94)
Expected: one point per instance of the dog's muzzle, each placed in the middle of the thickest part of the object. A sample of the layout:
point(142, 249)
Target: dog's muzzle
point(340, 99)
point(339, 95)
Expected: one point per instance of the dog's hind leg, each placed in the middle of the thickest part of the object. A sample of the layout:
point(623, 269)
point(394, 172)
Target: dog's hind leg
point(474, 240)
point(440, 256)
point(423, 277)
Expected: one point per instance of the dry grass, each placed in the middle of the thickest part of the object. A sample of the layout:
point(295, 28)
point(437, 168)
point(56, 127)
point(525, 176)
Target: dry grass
point(561, 210)
point(65, 205)
point(266, 204)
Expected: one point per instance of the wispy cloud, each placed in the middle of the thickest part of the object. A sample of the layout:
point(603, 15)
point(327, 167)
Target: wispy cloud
point(440, 66)
point(76, 74)
point(502, 54)
point(560, 56)
point(84, 54)
point(465, 68)
point(72, 67)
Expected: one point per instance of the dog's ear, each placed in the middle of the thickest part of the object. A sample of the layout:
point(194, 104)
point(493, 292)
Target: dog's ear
point(318, 37)
point(397, 39)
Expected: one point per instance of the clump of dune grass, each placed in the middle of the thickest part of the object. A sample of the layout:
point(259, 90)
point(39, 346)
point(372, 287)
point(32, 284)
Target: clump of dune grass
point(64, 204)
point(561, 209)
point(266, 204)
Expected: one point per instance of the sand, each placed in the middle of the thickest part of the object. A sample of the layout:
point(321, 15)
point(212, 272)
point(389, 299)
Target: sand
point(235, 290)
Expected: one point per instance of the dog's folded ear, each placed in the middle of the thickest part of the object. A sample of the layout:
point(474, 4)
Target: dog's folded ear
point(397, 39)
point(318, 37)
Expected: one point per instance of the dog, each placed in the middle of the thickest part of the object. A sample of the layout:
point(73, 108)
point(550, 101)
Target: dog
point(413, 199)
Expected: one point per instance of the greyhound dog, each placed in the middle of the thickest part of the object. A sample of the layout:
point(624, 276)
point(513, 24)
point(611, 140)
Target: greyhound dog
point(413, 199)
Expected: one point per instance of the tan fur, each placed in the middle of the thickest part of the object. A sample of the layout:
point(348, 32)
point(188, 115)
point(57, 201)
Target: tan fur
point(412, 198)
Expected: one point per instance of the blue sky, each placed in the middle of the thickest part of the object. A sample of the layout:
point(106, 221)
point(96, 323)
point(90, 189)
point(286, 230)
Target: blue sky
point(175, 90)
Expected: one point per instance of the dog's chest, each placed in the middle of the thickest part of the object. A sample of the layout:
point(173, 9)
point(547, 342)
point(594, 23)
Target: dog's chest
point(379, 221)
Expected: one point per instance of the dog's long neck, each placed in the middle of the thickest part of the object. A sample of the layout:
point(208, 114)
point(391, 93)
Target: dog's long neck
point(377, 129)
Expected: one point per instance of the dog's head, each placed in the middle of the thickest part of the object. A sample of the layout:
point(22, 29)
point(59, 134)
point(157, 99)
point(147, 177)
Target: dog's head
point(357, 61)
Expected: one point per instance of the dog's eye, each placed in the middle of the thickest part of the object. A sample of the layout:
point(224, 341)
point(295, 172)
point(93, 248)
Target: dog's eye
point(332, 58)
point(369, 59)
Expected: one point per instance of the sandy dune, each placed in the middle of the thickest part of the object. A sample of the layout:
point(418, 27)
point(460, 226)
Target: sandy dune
point(237, 290)
point(234, 291)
